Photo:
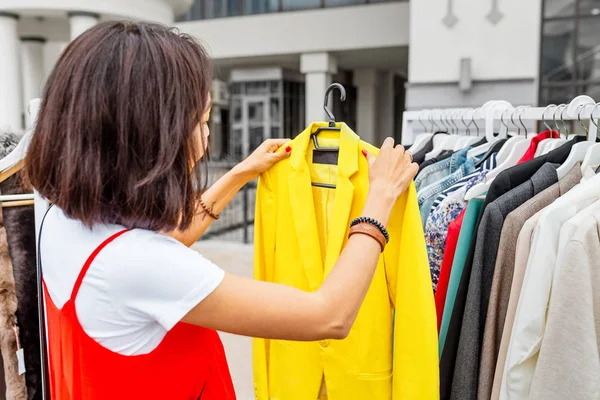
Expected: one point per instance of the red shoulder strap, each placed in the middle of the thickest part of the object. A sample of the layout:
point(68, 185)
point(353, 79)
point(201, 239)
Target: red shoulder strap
point(90, 260)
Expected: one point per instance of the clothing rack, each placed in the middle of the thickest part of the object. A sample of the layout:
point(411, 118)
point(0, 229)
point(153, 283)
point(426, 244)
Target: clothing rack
point(580, 108)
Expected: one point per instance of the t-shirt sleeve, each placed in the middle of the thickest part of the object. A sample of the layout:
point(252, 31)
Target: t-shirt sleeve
point(160, 279)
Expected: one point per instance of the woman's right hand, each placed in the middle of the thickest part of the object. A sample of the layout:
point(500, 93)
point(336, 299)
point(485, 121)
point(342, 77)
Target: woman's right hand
point(392, 171)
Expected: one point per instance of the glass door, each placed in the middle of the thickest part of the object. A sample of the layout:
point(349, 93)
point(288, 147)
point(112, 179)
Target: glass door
point(256, 125)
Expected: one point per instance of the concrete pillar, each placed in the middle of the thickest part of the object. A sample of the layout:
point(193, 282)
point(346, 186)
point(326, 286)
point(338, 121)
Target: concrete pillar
point(365, 80)
point(10, 74)
point(385, 106)
point(318, 68)
point(32, 61)
point(81, 22)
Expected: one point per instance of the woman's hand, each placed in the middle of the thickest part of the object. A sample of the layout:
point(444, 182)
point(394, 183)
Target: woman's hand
point(390, 174)
point(392, 171)
point(263, 158)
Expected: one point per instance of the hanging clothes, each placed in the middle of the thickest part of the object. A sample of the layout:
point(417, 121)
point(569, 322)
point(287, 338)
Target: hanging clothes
point(530, 321)
point(419, 156)
point(504, 182)
point(428, 194)
point(445, 208)
point(449, 251)
point(533, 145)
point(19, 223)
point(503, 277)
point(465, 379)
point(13, 380)
point(440, 157)
point(521, 257)
point(441, 169)
point(568, 366)
point(465, 237)
point(297, 242)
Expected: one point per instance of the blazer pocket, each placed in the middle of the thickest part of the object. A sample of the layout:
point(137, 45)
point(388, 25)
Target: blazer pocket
point(374, 376)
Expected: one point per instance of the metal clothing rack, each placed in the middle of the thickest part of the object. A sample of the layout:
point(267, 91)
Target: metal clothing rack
point(484, 117)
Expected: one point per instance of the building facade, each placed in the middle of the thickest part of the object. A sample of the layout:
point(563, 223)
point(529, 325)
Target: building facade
point(273, 59)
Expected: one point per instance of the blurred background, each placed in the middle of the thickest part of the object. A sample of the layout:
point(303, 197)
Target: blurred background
point(273, 60)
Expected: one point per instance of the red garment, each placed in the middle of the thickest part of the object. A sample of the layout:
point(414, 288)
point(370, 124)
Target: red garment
point(442, 287)
point(530, 153)
point(189, 363)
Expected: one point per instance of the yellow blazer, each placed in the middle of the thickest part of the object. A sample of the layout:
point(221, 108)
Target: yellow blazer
point(300, 231)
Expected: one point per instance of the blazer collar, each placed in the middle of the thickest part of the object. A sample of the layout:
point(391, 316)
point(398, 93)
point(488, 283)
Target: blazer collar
point(302, 202)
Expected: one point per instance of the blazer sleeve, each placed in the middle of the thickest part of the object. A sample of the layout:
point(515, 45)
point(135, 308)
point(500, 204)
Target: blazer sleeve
point(264, 249)
point(416, 371)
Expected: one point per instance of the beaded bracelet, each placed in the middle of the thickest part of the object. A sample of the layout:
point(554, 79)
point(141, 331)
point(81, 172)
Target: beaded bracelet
point(374, 222)
point(208, 210)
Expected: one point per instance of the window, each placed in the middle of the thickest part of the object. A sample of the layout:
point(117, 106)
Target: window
point(209, 9)
point(570, 53)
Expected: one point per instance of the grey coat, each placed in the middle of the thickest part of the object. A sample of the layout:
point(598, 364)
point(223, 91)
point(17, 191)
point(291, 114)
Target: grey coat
point(465, 379)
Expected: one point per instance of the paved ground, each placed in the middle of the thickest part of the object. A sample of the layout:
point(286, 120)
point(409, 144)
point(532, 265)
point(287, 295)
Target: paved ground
point(235, 258)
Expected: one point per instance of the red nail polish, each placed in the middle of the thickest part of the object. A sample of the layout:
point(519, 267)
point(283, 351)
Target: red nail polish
point(288, 149)
point(364, 153)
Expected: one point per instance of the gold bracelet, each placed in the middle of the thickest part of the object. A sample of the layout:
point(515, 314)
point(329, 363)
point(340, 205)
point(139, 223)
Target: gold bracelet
point(209, 211)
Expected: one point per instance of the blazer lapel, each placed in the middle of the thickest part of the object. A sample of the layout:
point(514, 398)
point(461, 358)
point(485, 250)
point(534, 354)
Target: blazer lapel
point(344, 195)
point(303, 212)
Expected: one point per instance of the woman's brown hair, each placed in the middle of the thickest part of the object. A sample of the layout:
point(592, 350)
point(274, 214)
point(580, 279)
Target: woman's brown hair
point(114, 141)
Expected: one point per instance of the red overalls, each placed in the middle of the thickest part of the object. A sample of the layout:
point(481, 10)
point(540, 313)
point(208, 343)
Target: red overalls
point(189, 363)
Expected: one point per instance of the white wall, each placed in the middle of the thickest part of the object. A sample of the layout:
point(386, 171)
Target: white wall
point(506, 50)
point(336, 29)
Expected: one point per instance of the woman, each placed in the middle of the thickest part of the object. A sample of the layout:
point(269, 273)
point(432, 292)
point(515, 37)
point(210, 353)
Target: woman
point(132, 312)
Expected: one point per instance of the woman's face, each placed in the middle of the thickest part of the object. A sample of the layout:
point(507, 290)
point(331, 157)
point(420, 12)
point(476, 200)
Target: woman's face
point(202, 129)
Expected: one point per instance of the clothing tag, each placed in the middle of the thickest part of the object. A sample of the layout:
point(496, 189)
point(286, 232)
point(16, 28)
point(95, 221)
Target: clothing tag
point(325, 157)
point(21, 361)
point(20, 352)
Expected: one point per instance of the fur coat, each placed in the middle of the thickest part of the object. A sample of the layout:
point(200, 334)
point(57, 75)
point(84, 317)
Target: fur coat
point(19, 237)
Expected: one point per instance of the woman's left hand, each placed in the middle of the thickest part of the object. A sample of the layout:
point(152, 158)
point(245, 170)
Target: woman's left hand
point(264, 157)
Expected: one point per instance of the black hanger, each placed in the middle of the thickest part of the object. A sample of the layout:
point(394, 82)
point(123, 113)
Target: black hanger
point(331, 127)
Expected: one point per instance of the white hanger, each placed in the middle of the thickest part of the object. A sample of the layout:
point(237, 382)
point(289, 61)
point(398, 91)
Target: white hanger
point(518, 149)
point(514, 138)
point(544, 145)
point(554, 144)
point(18, 153)
point(443, 142)
point(592, 156)
point(579, 150)
point(422, 138)
point(481, 149)
point(489, 111)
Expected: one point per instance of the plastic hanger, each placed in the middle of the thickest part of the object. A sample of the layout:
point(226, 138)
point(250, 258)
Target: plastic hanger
point(540, 149)
point(577, 154)
point(517, 150)
point(14, 161)
point(422, 138)
point(331, 127)
point(467, 139)
point(514, 138)
point(592, 156)
point(489, 111)
point(441, 142)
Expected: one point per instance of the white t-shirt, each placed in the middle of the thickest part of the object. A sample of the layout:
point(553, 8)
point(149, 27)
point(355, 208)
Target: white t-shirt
point(138, 287)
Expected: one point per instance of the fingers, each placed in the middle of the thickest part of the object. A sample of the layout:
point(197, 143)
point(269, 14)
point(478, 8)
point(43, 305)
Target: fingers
point(281, 155)
point(370, 157)
point(388, 143)
point(276, 143)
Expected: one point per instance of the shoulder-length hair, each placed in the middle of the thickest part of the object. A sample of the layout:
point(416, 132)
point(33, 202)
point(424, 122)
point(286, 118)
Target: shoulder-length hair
point(114, 141)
